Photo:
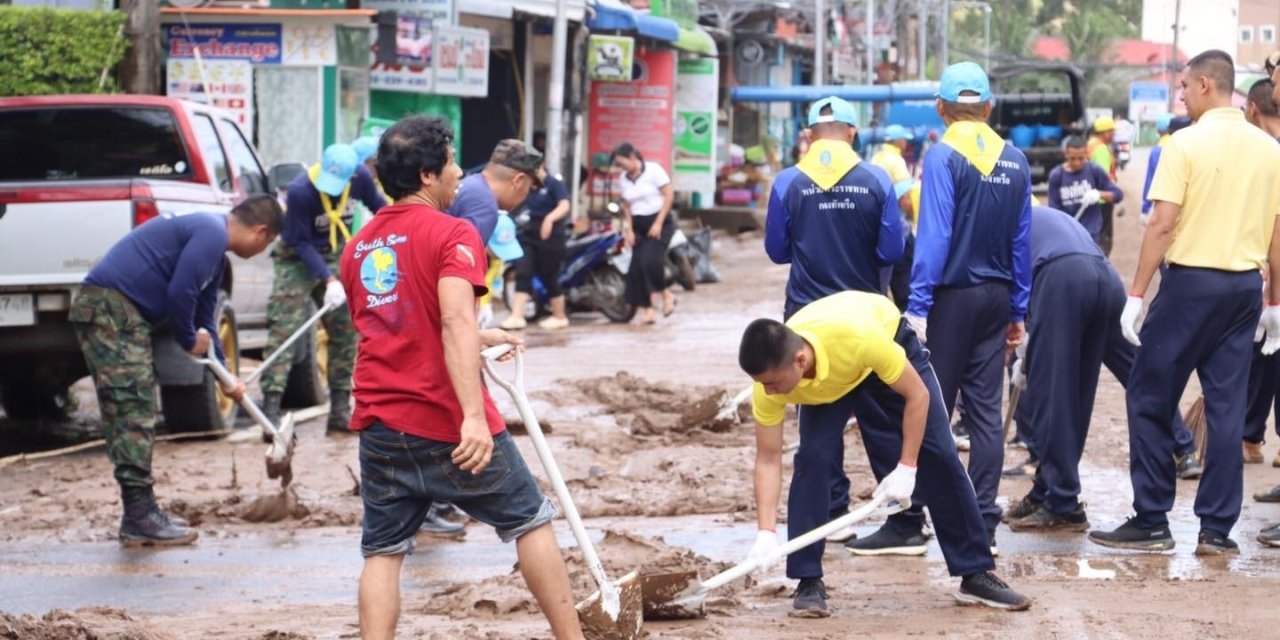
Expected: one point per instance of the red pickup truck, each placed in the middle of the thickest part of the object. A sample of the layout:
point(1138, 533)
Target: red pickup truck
point(77, 173)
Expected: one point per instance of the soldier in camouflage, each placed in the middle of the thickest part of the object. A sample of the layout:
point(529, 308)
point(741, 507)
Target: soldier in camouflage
point(319, 210)
point(166, 272)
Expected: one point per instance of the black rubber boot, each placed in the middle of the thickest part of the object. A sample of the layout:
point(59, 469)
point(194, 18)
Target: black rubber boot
point(339, 412)
point(270, 409)
point(144, 524)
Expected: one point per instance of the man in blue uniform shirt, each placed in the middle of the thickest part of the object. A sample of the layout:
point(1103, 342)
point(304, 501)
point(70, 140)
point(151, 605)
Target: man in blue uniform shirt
point(1080, 188)
point(971, 278)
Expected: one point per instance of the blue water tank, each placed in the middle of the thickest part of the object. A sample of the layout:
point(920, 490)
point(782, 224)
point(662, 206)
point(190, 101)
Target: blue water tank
point(1023, 136)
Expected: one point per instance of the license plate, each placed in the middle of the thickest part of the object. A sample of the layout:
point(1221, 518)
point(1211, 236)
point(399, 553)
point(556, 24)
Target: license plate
point(17, 310)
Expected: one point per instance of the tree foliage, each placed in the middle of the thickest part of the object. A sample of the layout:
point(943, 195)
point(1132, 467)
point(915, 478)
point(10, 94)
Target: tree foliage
point(46, 51)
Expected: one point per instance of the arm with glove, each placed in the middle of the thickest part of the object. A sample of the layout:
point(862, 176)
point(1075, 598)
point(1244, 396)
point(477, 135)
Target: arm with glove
point(1269, 324)
point(901, 482)
point(768, 488)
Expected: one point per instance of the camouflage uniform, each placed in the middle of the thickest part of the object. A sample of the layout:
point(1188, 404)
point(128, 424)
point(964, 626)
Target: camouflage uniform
point(116, 341)
point(287, 310)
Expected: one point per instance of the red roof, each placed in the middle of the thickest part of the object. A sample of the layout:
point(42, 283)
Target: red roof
point(1135, 52)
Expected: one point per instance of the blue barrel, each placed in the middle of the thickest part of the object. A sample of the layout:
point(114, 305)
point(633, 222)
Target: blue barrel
point(1023, 136)
point(1049, 133)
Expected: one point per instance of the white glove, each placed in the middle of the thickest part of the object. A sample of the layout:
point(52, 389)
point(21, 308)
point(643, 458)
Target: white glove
point(1020, 351)
point(1270, 324)
point(1131, 320)
point(1019, 377)
point(762, 552)
point(920, 326)
point(1092, 197)
point(334, 296)
point(898, 485)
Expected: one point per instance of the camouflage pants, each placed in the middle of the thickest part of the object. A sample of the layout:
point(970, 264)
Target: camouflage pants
point(287, 310)
point(116, 341)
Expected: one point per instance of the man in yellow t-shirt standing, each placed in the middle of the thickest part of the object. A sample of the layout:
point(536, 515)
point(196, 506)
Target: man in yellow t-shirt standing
point(889, 156)
point(852, 353)
point(1214, 222)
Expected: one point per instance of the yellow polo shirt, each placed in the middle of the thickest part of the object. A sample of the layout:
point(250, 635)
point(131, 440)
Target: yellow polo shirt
point(890, 159)
point(1225, 173)
point(852, 335)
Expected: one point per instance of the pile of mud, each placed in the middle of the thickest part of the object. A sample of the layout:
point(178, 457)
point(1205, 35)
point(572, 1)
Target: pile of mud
point(90, 623)
point(272, 507)
point(620, 553)
point(649, 408)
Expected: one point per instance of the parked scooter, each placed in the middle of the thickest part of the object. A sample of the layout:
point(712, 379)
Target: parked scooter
point(677, 264)
point(591, 278)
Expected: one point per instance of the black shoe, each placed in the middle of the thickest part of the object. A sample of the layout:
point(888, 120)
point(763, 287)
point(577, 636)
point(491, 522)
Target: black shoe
point(1270, 495)
point(986, 589)
point(1212, 543)
point(887, 542)
point(1270, 535)
point(810, 600)
point(1131, 536)
point(270, 409)
point(1024, 507)
point(339, 412)
point(144, 524)
point(1022, 469)
point(1189, 467)
point(437, 525)
point(1043, 519)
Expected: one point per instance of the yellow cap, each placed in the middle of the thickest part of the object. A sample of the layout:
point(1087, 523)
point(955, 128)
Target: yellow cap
point(1104, 124)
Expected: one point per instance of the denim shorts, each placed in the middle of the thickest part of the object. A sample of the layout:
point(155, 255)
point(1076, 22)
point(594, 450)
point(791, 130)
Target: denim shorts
point(401, 475)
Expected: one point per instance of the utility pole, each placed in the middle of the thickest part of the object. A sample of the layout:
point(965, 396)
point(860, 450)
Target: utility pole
point(140, 68)
point(555, 96)
point(1173, 55)
point(819, 42)
point(871, 41)
point(944, 25)
point(922, 47)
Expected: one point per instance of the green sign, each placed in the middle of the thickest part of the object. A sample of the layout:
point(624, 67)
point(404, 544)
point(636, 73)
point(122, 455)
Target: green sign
point(697, 93)
point(683, 12)
point(609, 58)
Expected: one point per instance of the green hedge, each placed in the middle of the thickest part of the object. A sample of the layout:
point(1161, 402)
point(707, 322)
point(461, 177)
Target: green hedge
point(47, 51)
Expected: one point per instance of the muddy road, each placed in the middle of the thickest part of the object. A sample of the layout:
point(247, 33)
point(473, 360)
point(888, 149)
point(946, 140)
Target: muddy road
point(662, 486)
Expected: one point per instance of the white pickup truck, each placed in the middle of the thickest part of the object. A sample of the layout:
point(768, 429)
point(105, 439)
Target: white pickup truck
point(77, 174)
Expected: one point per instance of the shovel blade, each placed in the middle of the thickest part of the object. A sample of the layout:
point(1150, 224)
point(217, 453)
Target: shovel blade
point(280, 453)
point(673, 596)
point(598, 623)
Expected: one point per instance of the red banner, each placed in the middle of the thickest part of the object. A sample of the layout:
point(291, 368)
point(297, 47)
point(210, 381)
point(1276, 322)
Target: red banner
point(640, 112)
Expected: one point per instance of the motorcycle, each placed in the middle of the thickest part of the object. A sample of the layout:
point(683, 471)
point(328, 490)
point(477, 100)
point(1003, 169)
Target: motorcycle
point(591, 278)
point(1122, 154)
point(678, 262)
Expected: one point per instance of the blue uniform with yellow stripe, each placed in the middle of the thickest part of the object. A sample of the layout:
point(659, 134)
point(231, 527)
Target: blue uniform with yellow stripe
point(971, 278)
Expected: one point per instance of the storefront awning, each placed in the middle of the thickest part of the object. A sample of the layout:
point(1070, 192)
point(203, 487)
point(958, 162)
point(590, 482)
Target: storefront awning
point(611, 16)
point(697, 41)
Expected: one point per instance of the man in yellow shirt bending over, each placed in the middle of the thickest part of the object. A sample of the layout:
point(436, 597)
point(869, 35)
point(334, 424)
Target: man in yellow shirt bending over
point(852, 353)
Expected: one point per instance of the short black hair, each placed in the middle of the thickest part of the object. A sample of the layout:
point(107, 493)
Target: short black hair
point(260, 209)
point(766, 346)
point(626, 150)
point(966, 111)
point(410, 147)
point(1076, 142)
point(1261, 94)
point(1216, 65)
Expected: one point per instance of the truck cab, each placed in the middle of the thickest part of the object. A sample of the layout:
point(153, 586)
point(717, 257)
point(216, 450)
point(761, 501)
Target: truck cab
point(1037, 105)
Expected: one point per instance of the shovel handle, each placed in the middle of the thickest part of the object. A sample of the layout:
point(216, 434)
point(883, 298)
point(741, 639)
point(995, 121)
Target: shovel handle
point(288, 343)
point(876, 504)
point(548, 462)
point(220, 372)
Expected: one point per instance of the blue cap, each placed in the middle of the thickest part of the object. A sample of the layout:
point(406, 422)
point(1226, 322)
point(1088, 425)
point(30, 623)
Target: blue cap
point(901, 187)
point(1163, 122)
point(336, 168)
point(896, 132)
point(961, 77)
point(503, 242)
point(366, 147)
point(841, 111)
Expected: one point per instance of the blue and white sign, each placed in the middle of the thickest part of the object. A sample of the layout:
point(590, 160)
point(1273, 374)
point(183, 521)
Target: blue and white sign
point(1147, 100)
point(256, 43)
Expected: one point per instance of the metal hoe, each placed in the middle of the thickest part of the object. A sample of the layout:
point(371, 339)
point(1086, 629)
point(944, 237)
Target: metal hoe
point(288, 343)
point(682, 595)
point(615, 612)
point(283, 439)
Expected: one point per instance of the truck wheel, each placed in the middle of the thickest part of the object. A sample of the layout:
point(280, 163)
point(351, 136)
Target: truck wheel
point(203, 407)
point(308, 383)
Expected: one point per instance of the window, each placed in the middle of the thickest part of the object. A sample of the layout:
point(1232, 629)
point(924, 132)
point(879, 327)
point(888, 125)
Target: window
point(246, 164)
point(83, 143)
point(214, 160)
point(1267, 33)
point(1246, 34)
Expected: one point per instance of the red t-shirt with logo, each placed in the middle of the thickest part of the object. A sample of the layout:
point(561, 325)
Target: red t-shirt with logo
point(391, 271)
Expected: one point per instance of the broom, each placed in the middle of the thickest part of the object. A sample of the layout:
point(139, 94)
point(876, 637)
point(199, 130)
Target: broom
point(1195, 419)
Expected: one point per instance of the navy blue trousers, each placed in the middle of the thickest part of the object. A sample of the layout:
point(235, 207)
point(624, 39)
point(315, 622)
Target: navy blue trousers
point(1202, 320)
point(941, 482)
point(1264, 383)
point(967, 330)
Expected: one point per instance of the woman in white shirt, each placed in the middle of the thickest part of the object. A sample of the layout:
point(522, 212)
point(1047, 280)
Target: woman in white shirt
point(647, 194)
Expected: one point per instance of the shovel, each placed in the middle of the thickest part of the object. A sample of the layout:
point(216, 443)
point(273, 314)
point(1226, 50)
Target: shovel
point(280, 451)
point(676, 596)
point(287, 343)
point(615, 611)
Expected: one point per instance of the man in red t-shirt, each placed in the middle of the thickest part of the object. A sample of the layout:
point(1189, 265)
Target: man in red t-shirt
point(428, 429)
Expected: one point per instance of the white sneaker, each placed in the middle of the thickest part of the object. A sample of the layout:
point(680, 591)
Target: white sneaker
point(514, 321)
point(552, 323)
